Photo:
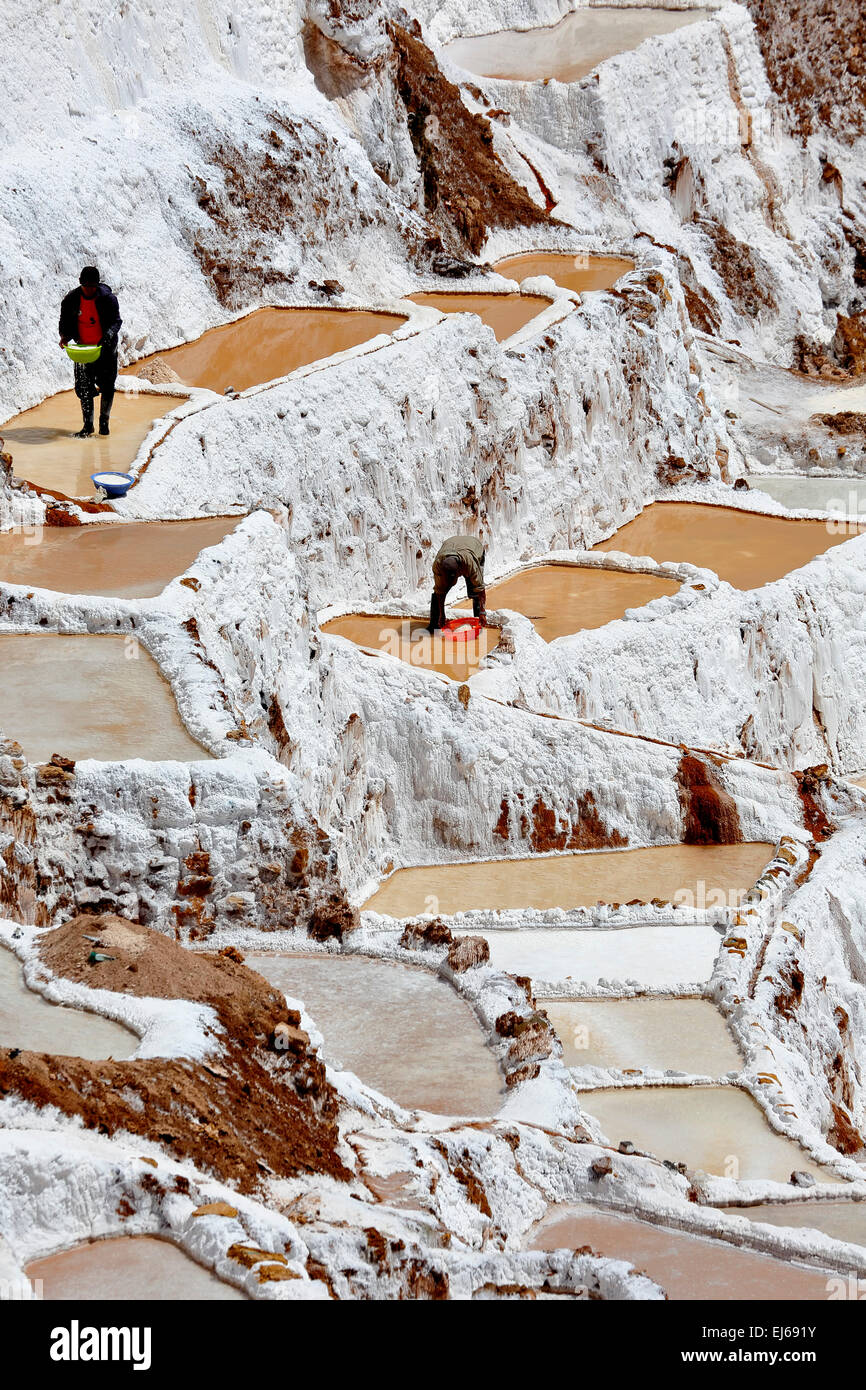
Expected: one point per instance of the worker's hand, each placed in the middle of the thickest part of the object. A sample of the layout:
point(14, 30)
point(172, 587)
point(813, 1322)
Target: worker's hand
point(63, 342)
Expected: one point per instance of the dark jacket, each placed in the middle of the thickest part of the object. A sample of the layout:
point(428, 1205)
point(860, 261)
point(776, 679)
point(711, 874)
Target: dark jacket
point(108, 311)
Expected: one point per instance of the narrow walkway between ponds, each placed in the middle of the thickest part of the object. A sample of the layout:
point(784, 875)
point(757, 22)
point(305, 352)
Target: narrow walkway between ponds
point(28, 1021)
point(719, 1129)
point(397, 1027)
point(564, 599)
point(686, 1035)
point(744, 548)
point(504, 313)
point(410, 640)
point(573, 271)
point(690, 874)
point(267, 344)
point(89, 697)
point(132, 560)
point(128, 1267)
point(687, 1267)
point(570, 49)
point(45, 452)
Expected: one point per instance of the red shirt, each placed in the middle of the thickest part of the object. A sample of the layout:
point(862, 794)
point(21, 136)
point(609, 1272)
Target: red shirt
point(89, 327)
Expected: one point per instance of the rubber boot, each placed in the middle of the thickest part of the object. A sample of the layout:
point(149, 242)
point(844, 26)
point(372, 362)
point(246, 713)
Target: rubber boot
point(103, 422)
point(87, 426)
point(437, 613)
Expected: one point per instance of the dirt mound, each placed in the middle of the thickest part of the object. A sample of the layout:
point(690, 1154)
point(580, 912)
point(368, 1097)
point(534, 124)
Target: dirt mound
point(253, 1110)
point(815, 52)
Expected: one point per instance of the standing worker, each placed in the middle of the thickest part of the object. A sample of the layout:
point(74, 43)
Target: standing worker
point(458, 557)
point(90, 316)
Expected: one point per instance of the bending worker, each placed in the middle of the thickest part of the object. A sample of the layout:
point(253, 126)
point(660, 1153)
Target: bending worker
point(458, 557)
point(91, 315)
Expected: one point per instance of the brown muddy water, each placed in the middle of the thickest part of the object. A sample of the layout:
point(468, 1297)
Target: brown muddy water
point(570, 49)
point(572, 271)
point(647, 1034)
point(397, 1027)
point(133, 560)
point(687, 1267)
point(89, 697)
point(504, 313)
point(127, 1267)
point(408, 639)
point(562, 599)
point(744, 548)
point(719, 1129)
point(29, 1021)
point(843, 1220)
point(44, 451)
point(694, 875)
point(269, 343)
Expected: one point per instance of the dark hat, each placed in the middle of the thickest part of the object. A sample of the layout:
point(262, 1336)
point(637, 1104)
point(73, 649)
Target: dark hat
point(89, 276)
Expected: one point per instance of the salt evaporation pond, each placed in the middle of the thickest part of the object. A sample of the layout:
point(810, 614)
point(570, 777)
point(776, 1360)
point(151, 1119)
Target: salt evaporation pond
point(83, 697)
point(642, 1034)
point(133, 560)
point(843, 1220)
point(573, 271)
point(687, 1267)
point(397, 1027)
point(270, 343)
point(745, 548)
point(561, 599)
point(45, 452)
point(719, 1129)
point(127, 1267)
point(409, 639)
point(663, 957)
point(28, 1021)
point(504, 313)
point(694, 875)
point(840, 496)
point(570, 49)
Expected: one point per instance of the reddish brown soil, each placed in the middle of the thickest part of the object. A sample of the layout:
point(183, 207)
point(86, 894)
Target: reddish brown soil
point(815, 52)
point(467, 190)
point(580, 828)
point(815, 819)
point(710, 815)
point(254, 1109)
point(742, 272)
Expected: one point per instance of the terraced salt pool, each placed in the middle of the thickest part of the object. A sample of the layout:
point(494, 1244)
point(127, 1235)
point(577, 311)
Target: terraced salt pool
point(673, 873)
point(841, 496)
point(397, 1027)
point(45, 452)
point(132, 560)
point(687, 1267)
point(661, 957)
point(745, 548)
point(269, 343)
point(85, 697)
point(504, 313)
point(128, 1267)
point(573, 271)
point(410, 640)
point(28, 1021)
point(843, 1220)
point(569, 50)
point(562, 599)
point(719, 1129)
point(644, 1034)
